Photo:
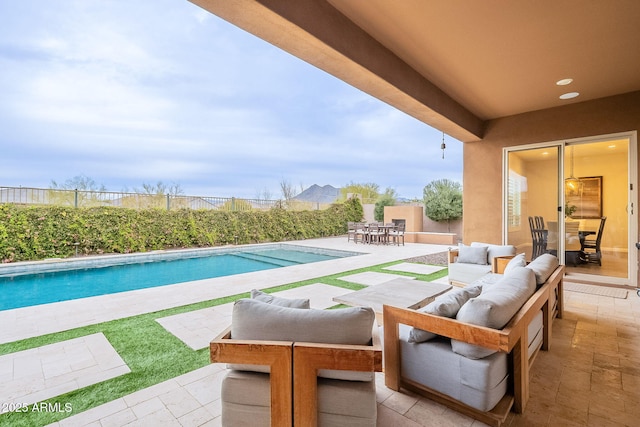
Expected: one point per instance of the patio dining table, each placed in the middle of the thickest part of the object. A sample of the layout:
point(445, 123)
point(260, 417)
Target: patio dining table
point(385, 228)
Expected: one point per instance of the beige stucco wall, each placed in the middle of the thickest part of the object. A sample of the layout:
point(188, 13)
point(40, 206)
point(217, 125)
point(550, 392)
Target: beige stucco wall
point(411, 214)
point(482, 175)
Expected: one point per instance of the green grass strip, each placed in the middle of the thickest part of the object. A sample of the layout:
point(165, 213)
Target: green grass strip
point(152, 353)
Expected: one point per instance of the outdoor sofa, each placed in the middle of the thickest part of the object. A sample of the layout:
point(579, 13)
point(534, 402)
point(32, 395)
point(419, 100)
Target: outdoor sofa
point(472, 348)
point(469, 263)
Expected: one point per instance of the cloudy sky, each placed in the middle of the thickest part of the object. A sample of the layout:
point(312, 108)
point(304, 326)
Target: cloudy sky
point(128, 92)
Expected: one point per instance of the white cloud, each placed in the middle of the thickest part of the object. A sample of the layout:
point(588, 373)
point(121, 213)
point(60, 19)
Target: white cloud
point(132, 92)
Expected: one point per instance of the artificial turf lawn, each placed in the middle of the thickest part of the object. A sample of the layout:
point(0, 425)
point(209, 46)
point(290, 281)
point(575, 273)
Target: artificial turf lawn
point(152, 353)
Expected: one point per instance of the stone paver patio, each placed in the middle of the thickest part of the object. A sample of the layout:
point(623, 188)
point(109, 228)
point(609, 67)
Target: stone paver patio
point(408, 267)
point(30, 376)
point(371, 278)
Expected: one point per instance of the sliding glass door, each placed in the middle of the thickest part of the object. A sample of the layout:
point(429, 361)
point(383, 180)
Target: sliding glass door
point(597, 198)
point(576, 200)
point(532, 198)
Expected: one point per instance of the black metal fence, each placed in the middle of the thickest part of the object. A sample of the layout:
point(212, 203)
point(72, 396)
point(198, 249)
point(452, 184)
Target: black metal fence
point(83, 198)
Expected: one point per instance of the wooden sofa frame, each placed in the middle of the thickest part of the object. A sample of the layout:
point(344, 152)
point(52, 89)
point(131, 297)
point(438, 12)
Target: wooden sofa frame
point(511, 339)
point(294, 367)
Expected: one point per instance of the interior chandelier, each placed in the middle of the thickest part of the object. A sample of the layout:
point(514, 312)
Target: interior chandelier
point(572, 185)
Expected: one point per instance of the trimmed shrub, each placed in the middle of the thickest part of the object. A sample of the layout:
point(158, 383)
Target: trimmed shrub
point(39, 232)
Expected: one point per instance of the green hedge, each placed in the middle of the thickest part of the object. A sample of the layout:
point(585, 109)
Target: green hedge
point(33, 233)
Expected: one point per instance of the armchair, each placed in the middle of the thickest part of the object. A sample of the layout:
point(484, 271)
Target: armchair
point(298, 366)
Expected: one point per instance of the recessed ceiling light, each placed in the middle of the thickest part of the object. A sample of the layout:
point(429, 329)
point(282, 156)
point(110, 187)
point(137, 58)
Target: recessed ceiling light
point(564, 82)
point(569, 95)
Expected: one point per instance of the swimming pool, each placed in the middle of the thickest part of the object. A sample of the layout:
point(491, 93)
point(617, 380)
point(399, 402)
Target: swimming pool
point(46, 282)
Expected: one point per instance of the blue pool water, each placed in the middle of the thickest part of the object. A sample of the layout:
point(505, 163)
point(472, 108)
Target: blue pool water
point(47, 287)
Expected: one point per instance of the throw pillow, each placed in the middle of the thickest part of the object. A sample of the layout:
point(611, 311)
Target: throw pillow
point(516, 261)
point(282, 302)
point(494, 307)
point(543, 266)
point(446, 305)
point(496, 250)
point(472, 254)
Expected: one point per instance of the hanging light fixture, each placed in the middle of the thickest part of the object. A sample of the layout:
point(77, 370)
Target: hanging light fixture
point(572, 185)
point(443, 145)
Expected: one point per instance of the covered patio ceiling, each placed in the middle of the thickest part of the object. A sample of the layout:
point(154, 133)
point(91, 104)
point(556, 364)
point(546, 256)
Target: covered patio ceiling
point(456, 64)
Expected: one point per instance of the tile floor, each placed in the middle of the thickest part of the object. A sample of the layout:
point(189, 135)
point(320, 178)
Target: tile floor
point(589, 378)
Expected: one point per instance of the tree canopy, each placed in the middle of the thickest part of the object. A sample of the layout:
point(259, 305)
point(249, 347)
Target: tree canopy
point(443, 200)
point(79, 182)
point(388, 198)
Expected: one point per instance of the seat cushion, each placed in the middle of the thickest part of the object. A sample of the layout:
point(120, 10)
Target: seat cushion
point(246, 401)
point(479, 383)
point(535, 334)
point(346, 403)
point(467, 273)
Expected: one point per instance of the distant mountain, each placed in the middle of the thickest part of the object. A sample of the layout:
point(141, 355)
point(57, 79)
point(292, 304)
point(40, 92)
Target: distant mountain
point(315, 193)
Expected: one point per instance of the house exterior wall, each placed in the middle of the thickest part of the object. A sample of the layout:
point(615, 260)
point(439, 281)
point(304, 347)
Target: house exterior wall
point(482, 174)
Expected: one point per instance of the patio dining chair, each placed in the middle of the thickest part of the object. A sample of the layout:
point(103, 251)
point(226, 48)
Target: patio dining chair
point(591, 247)
point(361, 233)
point(539, 236)
point(397, 233)
point(351, 231)
point(376, 234)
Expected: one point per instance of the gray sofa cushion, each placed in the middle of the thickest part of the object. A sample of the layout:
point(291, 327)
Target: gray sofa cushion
point(446, 305)
point(496, 250)
point(467, 273)
point(346, 403)
point(543, 266)
point(283, 302)
point(245, 401)
point(495, 306)
point(517, 261)
point(535, 333)
point(255, 320)
point(477, 383)
point(472, 255)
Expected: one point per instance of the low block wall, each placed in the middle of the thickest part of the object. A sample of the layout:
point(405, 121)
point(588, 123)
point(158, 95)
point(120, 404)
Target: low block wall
point(433, 238)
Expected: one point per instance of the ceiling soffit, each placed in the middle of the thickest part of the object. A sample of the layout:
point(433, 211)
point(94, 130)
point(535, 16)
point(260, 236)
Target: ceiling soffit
point(455, 64)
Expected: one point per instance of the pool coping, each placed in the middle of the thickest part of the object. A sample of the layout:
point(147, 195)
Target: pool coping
point(28, 322)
